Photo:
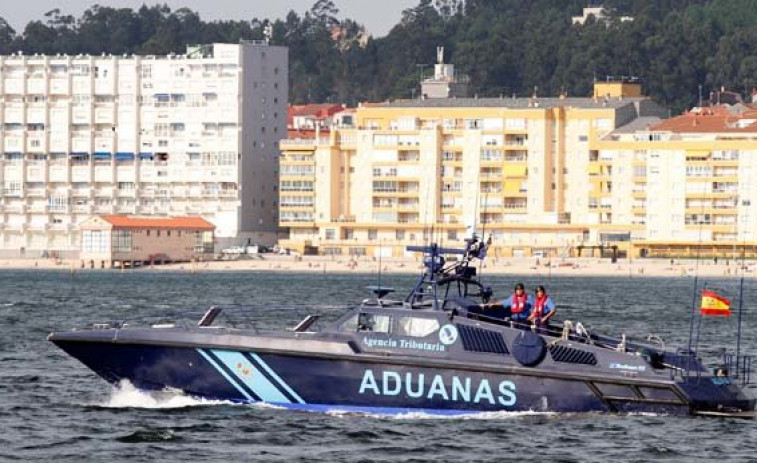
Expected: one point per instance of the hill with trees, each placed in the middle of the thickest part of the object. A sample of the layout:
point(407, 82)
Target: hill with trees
point(506, 46)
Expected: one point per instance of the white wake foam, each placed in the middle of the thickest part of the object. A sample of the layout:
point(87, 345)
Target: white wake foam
point(125, 395)
point(420, 415)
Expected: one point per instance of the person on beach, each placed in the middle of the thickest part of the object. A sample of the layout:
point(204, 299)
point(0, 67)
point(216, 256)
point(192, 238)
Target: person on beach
point(543, 308)
point(518, 305)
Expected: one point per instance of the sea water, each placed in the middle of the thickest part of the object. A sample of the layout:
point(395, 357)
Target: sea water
point(53, 408)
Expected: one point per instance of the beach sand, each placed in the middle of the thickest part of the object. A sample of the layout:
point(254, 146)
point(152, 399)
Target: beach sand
point(504, 266)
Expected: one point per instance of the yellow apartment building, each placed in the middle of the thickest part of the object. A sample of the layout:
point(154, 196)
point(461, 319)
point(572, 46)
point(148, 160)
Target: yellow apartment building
point(518, 170)
point(687, 185)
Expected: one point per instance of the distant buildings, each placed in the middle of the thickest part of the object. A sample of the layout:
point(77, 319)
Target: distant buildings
point(685, 185)
point(410, 171)
point(599, 13)
point(179, 135)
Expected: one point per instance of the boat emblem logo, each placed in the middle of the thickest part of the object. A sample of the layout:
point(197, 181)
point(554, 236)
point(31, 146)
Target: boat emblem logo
point(448, 334)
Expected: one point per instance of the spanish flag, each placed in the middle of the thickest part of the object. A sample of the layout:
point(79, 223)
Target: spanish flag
point(715, 305)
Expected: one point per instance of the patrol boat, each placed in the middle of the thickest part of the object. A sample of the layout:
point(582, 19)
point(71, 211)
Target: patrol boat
point(435, 351)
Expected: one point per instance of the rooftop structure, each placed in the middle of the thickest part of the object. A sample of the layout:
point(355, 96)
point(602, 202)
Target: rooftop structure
point(599, 13)
point(444, 83)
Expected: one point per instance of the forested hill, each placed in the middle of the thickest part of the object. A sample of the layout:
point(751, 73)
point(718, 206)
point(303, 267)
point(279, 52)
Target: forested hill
point(506, 46)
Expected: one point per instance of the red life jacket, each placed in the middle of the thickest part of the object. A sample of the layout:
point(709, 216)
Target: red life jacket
point(539, 303)
point(519, 303)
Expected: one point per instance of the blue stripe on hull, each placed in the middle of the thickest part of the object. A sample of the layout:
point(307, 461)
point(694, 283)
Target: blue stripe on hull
point(288, 390)
point(225, 375)
point(249, 375)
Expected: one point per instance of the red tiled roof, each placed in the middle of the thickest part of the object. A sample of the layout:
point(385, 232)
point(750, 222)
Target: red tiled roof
point(317, 111)
point(175, 223)
point(715, 119)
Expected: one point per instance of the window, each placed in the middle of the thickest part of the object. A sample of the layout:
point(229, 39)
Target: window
point(350, 325)
point(374, 323)
point(57, 203)
point(416, 327)
point(372, 234)
point(95, 241)
point(203, 242)
point(121, 241)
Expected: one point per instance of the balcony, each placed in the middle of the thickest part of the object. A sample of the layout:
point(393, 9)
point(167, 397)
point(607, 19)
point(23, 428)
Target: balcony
point(37, 226)
point(105, 192)
point(37, 208)
point(126, 193)
point(81, 192)
point(103, 209)
point(36, 192)
point(82, 209)
point(14, 208)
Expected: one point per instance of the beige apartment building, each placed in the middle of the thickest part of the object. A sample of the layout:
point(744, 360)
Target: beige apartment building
point(518, 170)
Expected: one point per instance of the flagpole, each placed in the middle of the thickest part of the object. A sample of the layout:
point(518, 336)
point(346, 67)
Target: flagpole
point(741, 305)
point(738, 329)
point(699, 325)
point(693, 311)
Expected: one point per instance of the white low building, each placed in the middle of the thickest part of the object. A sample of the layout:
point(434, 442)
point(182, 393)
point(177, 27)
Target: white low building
point(178, 135)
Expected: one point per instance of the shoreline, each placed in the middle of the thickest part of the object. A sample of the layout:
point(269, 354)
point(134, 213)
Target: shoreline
point(587, 266)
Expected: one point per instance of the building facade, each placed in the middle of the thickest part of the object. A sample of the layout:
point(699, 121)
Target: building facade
point(123, 241)
point(515, 169)
point(179, 135)
point(685, 186)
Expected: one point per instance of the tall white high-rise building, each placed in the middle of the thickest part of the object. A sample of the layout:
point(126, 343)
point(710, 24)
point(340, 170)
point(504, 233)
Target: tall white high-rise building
point(178, 135)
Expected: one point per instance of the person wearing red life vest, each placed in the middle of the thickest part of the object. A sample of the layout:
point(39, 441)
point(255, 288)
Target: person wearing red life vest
point(543, 309)
point(516, 307)
point(519, 303)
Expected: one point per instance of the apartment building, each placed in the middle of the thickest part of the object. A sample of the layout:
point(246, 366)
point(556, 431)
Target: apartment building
point(410, 171)
point(685, 186)
point(179, 135)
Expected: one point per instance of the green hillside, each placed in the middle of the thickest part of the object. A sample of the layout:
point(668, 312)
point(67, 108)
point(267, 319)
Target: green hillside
point(506, 46)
